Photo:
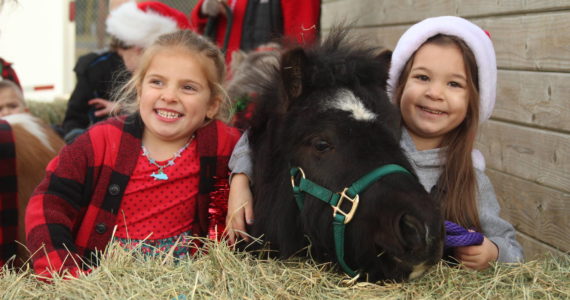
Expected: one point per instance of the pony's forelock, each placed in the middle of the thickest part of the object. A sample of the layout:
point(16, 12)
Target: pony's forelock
point(345, 100)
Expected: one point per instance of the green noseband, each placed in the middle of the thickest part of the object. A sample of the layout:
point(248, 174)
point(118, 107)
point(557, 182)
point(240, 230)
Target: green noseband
point(335, 200)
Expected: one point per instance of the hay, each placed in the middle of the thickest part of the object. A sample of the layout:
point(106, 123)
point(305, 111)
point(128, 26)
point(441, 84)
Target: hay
point(50, 112)
point(223, 274)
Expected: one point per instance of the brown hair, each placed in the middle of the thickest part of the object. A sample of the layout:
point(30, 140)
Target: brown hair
point(211, 59)
point(457, 184)
point(117, 44)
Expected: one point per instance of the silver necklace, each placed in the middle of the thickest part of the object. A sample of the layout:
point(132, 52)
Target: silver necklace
point(160, 175)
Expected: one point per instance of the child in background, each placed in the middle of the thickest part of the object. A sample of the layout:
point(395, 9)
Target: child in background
point(255, 22)
point(132, 26)
point(159, 173)
point(443, 78)
point(11, 99)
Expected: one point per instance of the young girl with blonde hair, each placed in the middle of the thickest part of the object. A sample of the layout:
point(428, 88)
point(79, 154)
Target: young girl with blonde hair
point(154, 177)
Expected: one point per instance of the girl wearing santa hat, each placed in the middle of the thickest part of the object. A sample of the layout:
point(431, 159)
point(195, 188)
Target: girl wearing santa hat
point(443, 78)
point(150, 180)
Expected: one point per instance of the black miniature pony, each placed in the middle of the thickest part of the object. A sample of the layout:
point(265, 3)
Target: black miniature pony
point(329, 174)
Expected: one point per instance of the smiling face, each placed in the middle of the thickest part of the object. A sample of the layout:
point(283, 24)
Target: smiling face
point(175, 97)
point(435, 97)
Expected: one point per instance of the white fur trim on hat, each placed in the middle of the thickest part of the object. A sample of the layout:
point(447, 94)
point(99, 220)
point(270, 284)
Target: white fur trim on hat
point(136, 27)
point(475, 38)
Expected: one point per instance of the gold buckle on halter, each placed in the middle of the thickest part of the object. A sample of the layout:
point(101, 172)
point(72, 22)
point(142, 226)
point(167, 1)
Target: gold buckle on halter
point(354, 201)
point(293, 177)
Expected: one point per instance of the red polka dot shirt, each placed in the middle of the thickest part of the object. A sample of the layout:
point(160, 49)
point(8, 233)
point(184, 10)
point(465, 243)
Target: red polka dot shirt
point(163, 208)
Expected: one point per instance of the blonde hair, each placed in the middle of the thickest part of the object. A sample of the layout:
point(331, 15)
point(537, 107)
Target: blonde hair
point(457, 184)
point(210, 56)
point(8, 84)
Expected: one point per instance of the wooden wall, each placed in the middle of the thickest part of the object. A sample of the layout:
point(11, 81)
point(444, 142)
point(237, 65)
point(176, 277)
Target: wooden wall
point(527, 141)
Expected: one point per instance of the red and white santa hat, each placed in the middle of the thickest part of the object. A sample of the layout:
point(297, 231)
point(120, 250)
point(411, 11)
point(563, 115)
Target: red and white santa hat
point(476, 39)
point(141, 24)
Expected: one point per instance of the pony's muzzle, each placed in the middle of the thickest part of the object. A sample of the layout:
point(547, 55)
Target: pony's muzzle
point(414, 234)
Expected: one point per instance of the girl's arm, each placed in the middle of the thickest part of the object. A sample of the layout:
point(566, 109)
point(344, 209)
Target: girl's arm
point(240, 162)
point(240, 202)
point(240, 208)
point(54, 211)
point(499, 234)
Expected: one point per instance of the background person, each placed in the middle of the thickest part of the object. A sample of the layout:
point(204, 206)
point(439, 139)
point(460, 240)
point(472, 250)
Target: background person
point(11, 99)
point(132, 27)
point(256, 22)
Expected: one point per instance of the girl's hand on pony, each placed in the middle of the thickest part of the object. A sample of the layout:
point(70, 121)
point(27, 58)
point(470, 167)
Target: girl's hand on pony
point(477, 257)
point(240, 208)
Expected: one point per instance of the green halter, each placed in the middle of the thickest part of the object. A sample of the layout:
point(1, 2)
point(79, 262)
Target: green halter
point(335, 200)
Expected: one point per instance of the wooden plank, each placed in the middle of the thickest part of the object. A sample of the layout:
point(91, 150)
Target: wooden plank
point(535, 250)
point(522, 42)
point(536, 155)
point(538, 42)
point(537, 211)
point(369, 13)
point(534, 98)
point(373, 13)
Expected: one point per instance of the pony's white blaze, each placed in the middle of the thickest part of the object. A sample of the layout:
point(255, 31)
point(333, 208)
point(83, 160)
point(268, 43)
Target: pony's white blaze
point(345, 100)
point(29, 123)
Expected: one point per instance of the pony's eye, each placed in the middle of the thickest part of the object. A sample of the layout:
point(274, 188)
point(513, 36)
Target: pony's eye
point(321, 145)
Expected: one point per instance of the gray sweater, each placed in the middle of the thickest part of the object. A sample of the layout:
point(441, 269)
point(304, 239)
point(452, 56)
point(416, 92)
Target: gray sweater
point(427, 165)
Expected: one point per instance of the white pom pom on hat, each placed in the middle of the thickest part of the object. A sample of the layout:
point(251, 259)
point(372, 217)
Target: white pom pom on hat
point(476, 39)
point(141, 24)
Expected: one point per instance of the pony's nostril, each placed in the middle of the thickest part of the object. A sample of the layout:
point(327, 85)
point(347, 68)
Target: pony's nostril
point(413, 232)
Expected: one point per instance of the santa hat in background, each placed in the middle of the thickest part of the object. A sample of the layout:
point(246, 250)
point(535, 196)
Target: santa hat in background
point(476, 39)
point(141, 24)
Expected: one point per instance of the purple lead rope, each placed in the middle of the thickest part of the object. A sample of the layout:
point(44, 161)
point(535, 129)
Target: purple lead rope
point(457, 236)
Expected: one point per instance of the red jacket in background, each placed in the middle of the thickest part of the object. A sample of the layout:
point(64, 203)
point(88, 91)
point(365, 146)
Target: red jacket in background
point(301, 20)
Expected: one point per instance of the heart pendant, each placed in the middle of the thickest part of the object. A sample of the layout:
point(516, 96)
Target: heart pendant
point(159, 176)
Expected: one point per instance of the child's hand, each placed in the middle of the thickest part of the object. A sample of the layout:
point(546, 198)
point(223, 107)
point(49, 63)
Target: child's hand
point(104, 107)
point(240, 208)
point(211, 8)
point(477, 257)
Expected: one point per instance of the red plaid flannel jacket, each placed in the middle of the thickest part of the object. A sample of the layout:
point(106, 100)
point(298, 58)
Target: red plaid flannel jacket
point(8, 194)
point(74, 209)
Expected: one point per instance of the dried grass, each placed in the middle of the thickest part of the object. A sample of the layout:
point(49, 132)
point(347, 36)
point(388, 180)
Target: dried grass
point(224, 274)
point(50, 112)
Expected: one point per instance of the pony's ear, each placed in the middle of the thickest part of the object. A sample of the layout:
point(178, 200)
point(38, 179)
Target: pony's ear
point(293, 63)
point(385, 57)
